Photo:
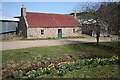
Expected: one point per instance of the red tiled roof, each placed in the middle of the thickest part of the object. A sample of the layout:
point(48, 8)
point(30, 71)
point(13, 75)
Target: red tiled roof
point(50, 20)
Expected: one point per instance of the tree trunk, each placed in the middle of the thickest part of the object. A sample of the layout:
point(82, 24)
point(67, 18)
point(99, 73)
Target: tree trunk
point(98, 35)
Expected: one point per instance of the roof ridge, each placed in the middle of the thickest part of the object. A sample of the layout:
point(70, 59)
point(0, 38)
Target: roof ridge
point(47, 13)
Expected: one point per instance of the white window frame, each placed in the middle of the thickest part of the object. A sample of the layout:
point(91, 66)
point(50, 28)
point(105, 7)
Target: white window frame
point(42, 33)
point(74, 30)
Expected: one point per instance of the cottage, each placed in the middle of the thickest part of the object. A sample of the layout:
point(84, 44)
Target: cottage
point(45, 25)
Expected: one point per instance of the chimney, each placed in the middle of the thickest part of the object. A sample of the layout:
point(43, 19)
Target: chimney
point(75, 14)
point(23, 11)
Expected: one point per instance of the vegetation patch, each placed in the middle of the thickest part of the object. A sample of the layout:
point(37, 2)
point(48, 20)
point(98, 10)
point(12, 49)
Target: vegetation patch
point(62, 68)
point(9, 37)
point(29, 59)
point(76, 37)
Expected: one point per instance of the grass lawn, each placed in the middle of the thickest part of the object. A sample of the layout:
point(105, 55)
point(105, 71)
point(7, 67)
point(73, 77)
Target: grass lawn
point(78, 37)
point(27, 57)
point(43, 53)
point(107, 71)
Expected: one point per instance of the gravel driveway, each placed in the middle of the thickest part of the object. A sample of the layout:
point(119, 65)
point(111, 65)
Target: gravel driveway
point(35, 43)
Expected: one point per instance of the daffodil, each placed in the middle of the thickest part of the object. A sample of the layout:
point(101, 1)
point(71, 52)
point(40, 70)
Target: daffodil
point(116, 57)
point(98, 60)
point(41, 70)
point(48, 68)
point(33, 71)
point(27, 73)
point(28, 76)
point(21, 71)
point(57, 71)
point(51, 65)
point(91, 59)
point(59, 64)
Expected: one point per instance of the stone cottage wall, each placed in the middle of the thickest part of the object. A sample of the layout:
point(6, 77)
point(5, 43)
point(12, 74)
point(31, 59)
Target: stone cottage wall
point(52, 32)
point(22, 28)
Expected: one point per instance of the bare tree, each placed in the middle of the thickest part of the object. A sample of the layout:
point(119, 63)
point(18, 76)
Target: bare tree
point(93, 18)
point(102, 15)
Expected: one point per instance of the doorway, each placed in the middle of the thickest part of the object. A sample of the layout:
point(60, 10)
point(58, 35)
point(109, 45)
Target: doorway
point(59, 33)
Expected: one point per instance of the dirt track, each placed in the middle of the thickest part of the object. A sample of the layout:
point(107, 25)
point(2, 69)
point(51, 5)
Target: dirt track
point(35, 43)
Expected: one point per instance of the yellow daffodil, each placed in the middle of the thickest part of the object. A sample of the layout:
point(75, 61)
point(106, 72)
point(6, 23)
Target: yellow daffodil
point(21, 71)
point(28, 76)
point(57, 71)
point(48, 68)
point(27, 73)
point(50, 65)
point(33, 71)
point(59, 64)
point(41, 70)
point(116, 57)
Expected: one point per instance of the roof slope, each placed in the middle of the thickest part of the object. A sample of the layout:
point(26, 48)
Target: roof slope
point(50, 20)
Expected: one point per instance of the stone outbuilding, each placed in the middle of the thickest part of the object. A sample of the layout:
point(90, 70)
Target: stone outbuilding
point(45, 25)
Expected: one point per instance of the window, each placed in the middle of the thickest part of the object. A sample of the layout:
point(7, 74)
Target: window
point(52, 18)
point(68, 18)
point(73, 30)
point(42, 32)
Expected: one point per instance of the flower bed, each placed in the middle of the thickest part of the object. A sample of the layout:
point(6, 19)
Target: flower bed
point(64, 67)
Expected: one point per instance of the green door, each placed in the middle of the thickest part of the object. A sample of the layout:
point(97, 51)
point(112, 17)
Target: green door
point(59, 33)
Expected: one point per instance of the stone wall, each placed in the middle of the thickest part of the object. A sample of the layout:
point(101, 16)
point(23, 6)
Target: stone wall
point(22, 28)
point(52, 32)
